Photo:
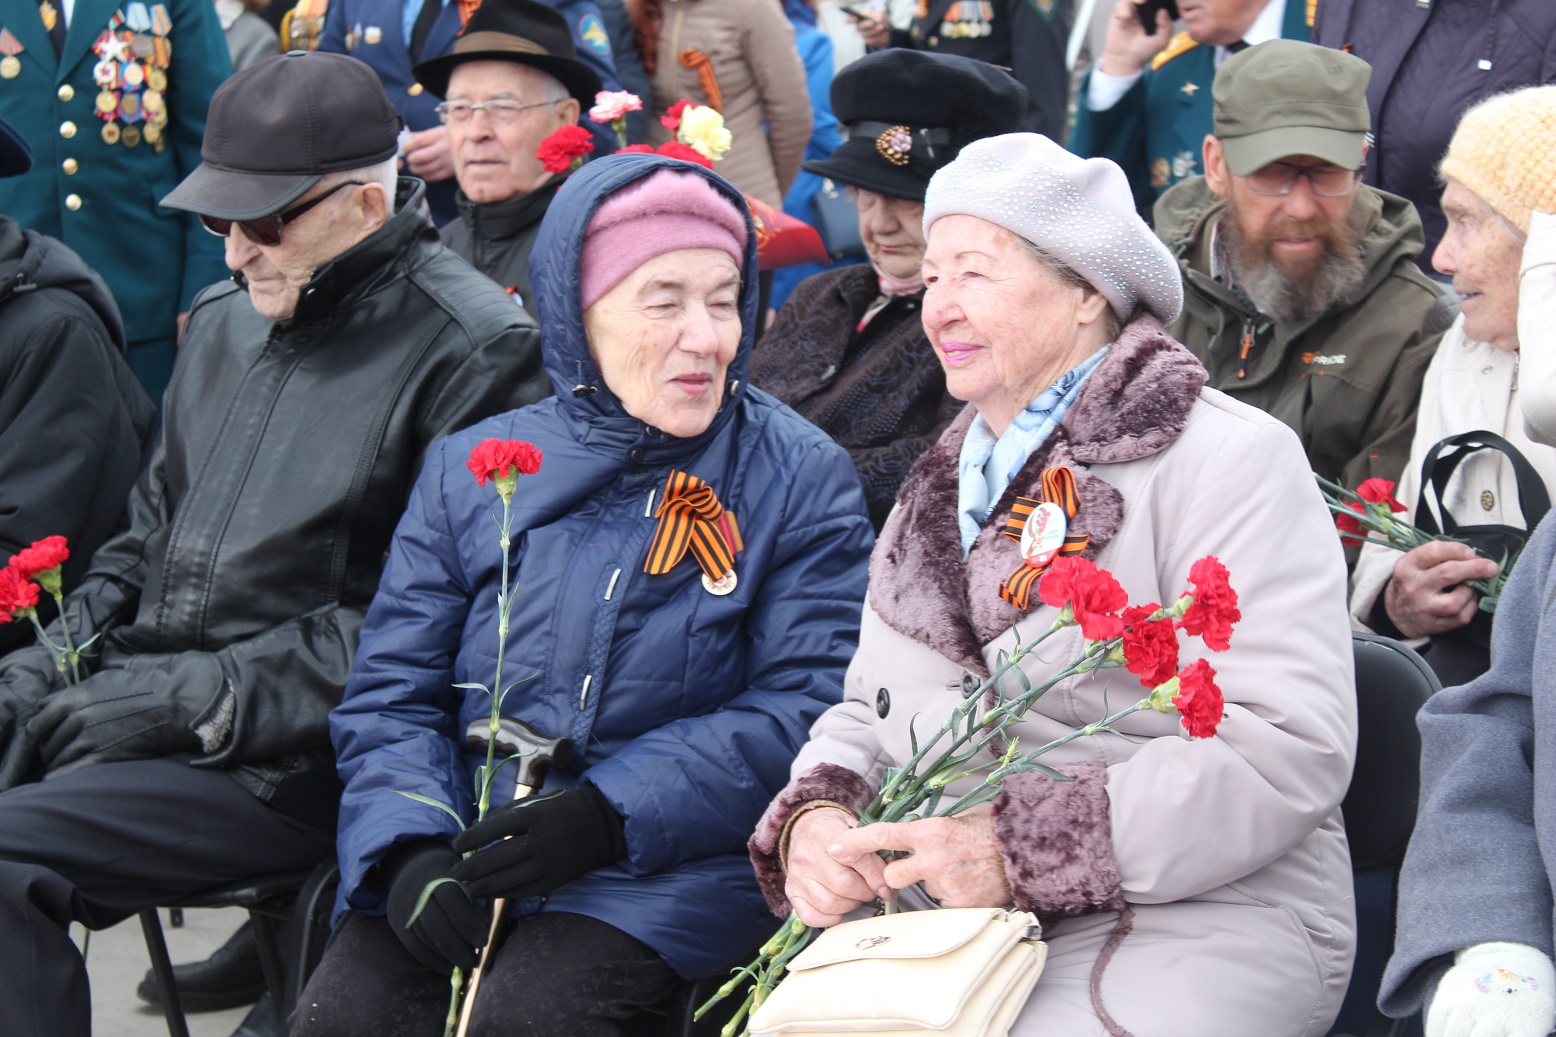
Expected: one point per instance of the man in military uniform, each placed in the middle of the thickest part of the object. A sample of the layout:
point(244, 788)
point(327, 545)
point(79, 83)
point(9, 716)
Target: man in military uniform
point(1146, 104)
point(1027, 37)
point(111, 97)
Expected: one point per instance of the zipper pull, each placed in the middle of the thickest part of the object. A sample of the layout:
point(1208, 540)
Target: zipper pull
point(1242, 354)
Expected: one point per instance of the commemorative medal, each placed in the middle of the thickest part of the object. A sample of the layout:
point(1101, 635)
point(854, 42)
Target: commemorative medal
point(161, 24)
point(151, 103)
point(134, 75)
point(107, 104)
point(140, 45)
point(129, 107)
point(1043, 535)
point(106, 73)
point(156, 79)
point(131, 136)
point(10, 46)
point(372, 34)
point(723, 585)
point(137, 17)
point(152, 134)
point(110, 133)
point(50, 15)
point(10, 67)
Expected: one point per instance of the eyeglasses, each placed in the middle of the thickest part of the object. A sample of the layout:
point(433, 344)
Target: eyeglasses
point(1280, 178)
point(267, 229)
point(501, 110)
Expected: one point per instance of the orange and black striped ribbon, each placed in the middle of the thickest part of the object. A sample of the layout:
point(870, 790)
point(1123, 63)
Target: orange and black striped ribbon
point(701, 65)
point(691, 517)
point(1059, 488)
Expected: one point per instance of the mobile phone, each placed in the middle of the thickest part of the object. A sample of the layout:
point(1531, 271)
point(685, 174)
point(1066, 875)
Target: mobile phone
point(855, 11)
point(1146, 12)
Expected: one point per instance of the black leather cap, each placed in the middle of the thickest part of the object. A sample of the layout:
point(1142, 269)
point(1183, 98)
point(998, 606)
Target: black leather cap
point(15, 155)
point(278, 126)
point(944, 102)
point(522, 31)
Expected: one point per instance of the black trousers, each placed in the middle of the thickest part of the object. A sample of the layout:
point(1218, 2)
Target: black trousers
point(555, 975)
point(99, 844)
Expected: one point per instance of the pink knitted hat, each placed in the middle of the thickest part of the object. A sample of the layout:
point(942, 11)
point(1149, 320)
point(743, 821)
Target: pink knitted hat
point(660, 213)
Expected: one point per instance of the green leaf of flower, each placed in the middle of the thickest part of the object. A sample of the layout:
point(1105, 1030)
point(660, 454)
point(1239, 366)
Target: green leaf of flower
point(418, 797)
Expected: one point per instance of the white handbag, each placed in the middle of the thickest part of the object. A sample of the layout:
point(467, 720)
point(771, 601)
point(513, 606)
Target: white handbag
point(963, 971)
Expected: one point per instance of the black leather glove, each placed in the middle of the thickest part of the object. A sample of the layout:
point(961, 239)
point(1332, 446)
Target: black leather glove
point(27, 676)
point(146, 709)
point(539, 844)
point(451, 927)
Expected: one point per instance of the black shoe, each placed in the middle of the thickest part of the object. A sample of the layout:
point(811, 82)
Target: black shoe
point(261, 1020)
point(229, 978)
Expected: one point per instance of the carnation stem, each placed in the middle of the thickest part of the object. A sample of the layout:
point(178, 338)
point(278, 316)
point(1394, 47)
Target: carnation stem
point(71, 655)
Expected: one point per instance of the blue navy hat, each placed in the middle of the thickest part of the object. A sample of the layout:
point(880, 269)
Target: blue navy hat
point(15, 155)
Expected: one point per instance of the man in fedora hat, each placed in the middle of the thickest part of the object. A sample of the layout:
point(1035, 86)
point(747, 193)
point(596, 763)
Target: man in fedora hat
point(1302, 297)
point(510, 81)
point(195, 750)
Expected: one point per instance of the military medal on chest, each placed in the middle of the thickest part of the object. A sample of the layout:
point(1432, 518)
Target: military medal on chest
point(10, 47)
point(1041, 526)
point(691, 519)
point(133, 56)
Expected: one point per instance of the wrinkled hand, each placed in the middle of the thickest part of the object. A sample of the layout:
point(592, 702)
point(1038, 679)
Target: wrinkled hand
point(956, 858)
point(1495, 990)
point(1128, 48)
point(1426, 594)
point(428, 154)
point(821, 888)
point(533, 846)
point(451, 926)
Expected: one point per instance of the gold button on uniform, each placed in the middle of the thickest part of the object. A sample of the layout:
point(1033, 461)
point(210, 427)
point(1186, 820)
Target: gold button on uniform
point(67, 129)
point(414, 89)
point(934, 41)
point(72, 202)
point(66, 92)
point(69, 166)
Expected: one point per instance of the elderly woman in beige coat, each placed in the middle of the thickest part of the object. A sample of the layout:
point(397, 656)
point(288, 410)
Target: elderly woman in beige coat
point(1194, 888)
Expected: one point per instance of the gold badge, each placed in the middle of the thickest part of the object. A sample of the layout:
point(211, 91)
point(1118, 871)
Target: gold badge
point(134, 75)
point(156, 79)
point(50, 15)
point(1487, 501)
point(110, 133)
point(151, 102)
point(153, 133)
point(10, 66)
point(1190, 88)
point(895, 144)
point(1161, 172)
point(131, 136)
point(129, 105)
point(107, 102)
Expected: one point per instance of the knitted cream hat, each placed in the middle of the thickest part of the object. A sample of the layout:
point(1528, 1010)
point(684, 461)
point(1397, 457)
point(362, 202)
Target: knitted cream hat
point(1502, 151)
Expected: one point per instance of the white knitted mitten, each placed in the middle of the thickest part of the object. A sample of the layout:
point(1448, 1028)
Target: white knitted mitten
point(1495, 990)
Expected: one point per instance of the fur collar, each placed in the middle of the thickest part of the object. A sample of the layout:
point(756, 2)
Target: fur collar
point(1134, 404)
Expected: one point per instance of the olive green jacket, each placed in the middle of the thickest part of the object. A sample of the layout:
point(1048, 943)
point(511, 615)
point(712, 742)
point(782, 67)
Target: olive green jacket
point(1347, 382)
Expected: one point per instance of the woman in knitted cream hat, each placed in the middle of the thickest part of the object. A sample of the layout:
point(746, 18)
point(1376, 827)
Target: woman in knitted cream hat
point(1187, 888)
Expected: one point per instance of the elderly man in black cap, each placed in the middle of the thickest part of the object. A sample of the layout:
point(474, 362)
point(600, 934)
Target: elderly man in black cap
point(225, 617)
point(510, 81)
point(848, 349)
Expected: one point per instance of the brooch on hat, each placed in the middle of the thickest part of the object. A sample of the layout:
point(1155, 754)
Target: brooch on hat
point(895, 143)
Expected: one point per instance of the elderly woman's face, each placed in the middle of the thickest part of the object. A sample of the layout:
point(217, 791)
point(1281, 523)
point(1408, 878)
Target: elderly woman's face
point(1003, 326)
point(664, 337)
point(892, 230)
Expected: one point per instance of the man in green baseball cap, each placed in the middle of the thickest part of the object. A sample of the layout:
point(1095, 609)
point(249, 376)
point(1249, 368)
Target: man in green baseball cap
point(1301, 294)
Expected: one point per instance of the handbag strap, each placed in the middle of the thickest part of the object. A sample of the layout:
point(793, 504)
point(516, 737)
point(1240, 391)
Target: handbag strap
point(1443, 459)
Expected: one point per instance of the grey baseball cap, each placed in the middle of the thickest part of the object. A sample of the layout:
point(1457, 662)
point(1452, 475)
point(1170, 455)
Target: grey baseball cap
point(1284, 98)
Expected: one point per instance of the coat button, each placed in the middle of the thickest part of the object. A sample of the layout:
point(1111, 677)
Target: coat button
point(414, 89)
point(69, 166)
point(72, 202)
point(67, 129)
point(969, 685)
point(934, 41)
point(882, 703)
point(635, 454)
point(67, 92)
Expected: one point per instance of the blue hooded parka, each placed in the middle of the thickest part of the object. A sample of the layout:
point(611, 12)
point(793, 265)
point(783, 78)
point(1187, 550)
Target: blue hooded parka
point(686, 708)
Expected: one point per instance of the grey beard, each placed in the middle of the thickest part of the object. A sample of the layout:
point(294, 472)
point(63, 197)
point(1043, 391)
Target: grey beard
point(1287, 299)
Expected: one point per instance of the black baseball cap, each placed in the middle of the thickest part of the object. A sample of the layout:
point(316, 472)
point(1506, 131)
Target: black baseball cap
point(278, 126)
point(909, 112)
point(15, 155)
point(520, 31)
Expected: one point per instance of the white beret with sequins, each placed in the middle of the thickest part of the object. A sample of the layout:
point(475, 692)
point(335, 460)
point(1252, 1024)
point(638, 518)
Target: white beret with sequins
point(1079, 210)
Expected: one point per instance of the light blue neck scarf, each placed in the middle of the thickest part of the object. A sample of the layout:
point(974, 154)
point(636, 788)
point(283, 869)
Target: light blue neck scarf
point(988, 463)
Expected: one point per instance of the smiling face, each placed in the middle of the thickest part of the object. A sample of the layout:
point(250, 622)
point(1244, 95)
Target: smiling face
point(664, 337)
point(1217, 23)
point(1004, 326)
point(893, 233)
point(1482, 253)
point(495, 161)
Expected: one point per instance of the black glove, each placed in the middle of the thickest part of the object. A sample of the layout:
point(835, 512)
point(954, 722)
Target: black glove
point(27, 676)
point(451, 926)
point(146, 709)
point(545, 843)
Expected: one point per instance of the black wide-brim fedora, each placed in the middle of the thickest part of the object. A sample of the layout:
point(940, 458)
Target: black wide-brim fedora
point(520, 31)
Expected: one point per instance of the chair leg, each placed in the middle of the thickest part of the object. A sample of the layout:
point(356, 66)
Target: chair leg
point(270, 957)
point(162, 969)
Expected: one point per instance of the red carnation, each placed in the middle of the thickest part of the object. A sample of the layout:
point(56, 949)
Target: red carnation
point(565, 149)
point(1199, 701)
point(671, 119)
point(1150, 646)
point(1379, 491)
point(635, 149)
point(1214, 609)
point(493, 457)
point(17, 594)
point(43, 555)
point(1093, 596)
point(1351, 528)
point(675, 149)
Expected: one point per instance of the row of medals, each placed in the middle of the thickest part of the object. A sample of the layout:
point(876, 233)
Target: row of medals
point(149, 106)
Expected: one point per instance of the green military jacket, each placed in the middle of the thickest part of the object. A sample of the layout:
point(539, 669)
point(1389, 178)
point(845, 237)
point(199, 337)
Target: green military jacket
point(1347, 382)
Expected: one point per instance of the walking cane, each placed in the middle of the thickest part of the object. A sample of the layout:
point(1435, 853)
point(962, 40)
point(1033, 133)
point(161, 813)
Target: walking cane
point(536, 755)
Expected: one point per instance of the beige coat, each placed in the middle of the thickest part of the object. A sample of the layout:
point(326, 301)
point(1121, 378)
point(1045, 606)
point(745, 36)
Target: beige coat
point(762, 80)
point(1228, 852)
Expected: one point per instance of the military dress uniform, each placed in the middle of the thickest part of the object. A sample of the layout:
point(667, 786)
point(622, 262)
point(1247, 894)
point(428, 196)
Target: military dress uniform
point(1027, 37)
point(1157, 130)
point(115, 121)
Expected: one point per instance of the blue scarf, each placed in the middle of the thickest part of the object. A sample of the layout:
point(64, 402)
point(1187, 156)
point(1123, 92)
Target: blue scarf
point(988, 463)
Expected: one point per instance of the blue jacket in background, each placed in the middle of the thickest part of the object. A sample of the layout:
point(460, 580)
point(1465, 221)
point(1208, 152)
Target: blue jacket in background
point(686, 708)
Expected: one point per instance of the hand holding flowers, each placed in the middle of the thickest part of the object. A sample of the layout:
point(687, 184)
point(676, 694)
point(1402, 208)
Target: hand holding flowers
point(41, 562)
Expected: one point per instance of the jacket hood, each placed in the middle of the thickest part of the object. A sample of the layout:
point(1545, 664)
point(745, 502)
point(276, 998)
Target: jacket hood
point(29, 261)
point(592, 413)
point(1185, 214)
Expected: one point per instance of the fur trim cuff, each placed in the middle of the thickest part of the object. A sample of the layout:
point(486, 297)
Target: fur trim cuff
point(1057, 842)
point(823, 781)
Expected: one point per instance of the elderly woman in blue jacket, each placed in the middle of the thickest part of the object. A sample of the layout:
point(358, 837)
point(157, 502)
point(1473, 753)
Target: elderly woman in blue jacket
point(686, 697)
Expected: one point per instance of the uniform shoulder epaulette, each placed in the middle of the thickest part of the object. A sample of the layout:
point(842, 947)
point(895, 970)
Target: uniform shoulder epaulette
point(1181, 44)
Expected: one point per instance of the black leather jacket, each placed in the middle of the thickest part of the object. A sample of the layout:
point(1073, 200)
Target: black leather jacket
point(288, 449)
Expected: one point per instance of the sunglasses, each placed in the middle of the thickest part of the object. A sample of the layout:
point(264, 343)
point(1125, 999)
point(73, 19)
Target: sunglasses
point(267, 229)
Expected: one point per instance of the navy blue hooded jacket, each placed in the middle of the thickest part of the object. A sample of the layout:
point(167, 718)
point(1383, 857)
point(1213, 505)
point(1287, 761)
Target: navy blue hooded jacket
point(686, 708)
